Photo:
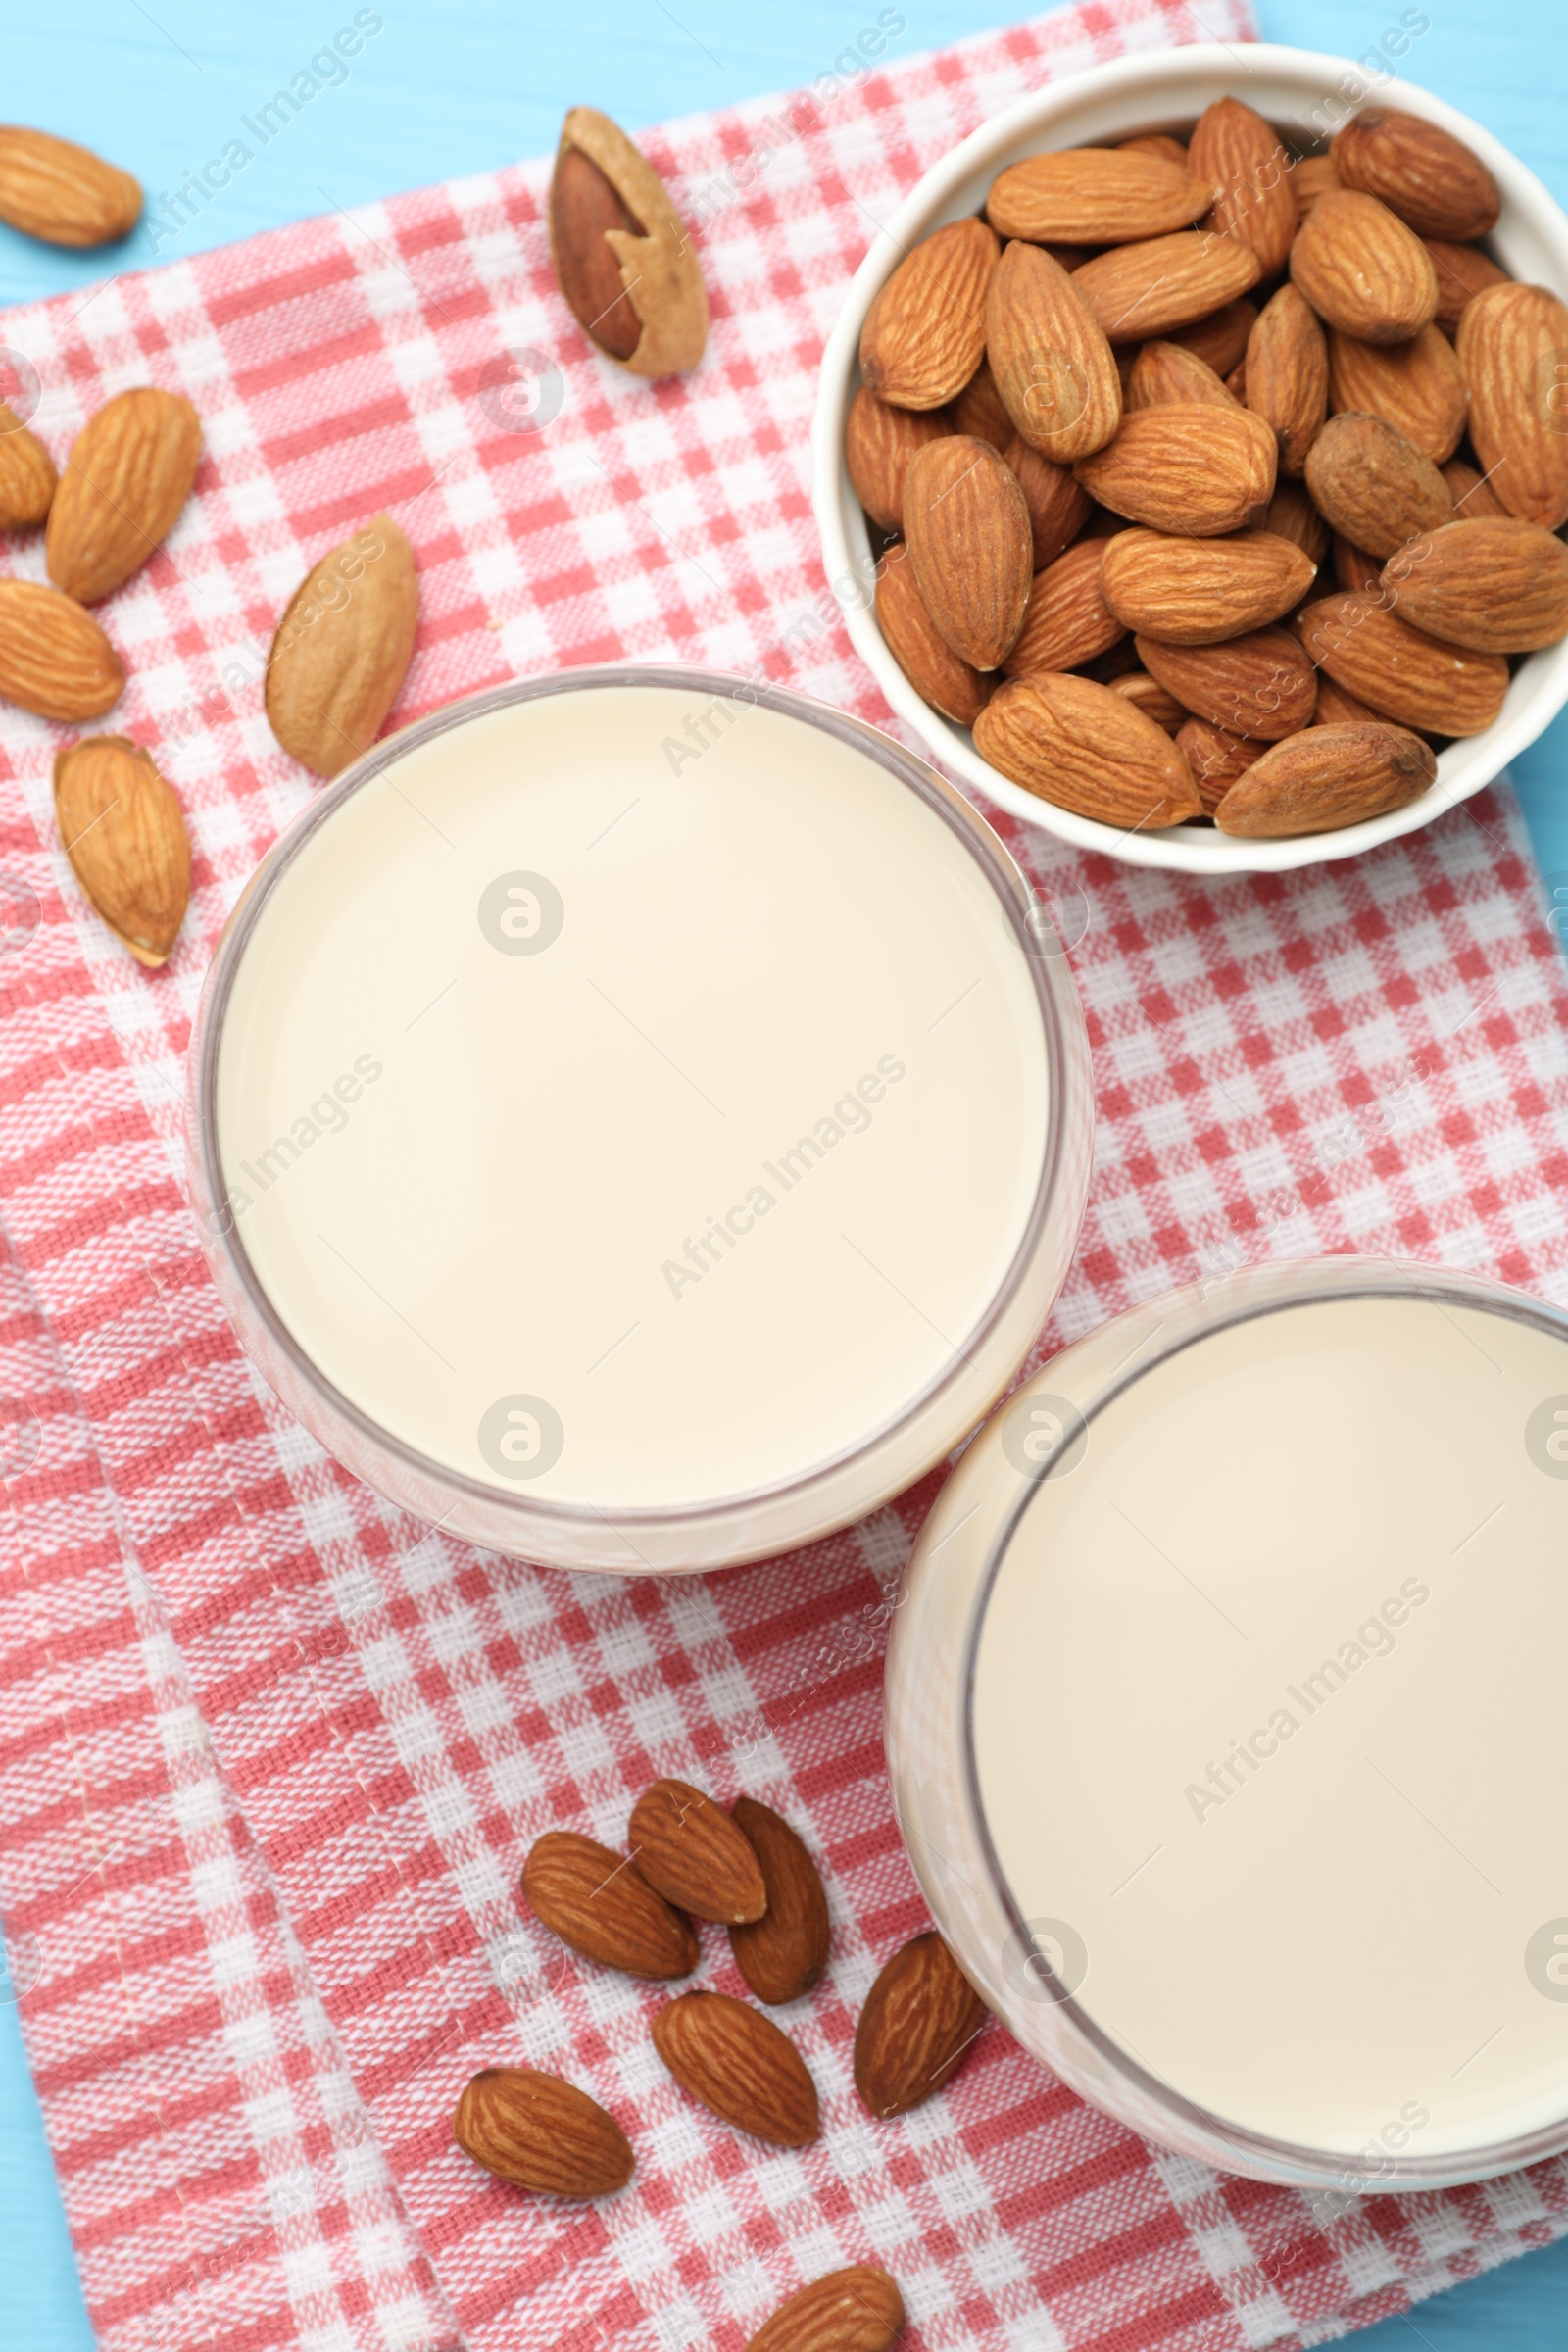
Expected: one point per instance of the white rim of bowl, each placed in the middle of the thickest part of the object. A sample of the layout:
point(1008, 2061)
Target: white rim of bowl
point(1535, 694)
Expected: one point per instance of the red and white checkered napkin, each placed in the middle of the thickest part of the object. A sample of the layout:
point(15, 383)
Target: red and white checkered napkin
point(272, 1752)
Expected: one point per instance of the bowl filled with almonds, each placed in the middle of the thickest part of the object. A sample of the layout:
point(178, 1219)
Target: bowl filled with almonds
point(1191, 459)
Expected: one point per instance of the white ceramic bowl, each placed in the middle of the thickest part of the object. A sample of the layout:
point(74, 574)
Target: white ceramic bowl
point(1167, 89)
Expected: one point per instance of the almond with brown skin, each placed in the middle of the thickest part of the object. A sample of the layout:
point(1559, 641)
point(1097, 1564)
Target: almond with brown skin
point(1335, 708)
point(1186, 467)
point(28, 475)
point(1292, 516)
point(1437, 185)
point(977, 410)
point(1148, 695)
point(970, 541)
point(126, 479)
point(782, 1954)
point(1288, 375)
point(1069, 620)
point(623, 257)
point(1052, 364)
point(1135, 291)
point(1075, 743)
point(920, 2018)
point(1221, 338)
point(542, 2133)
point(1058, 504)
point(1462, 270)
point(54, 658)
point(925, 333)
point(1362, 271)
point(64, 194)
point(1514, 351)
point(603, 1906)
point(1327, 777)
point(935, 672)
point(343, 648)
point(690, 1851)
point(878, 443)
point(1233, 146)
point(125, 834)
point(1163, 143)
point(1168, 372)
point(738, 2063)
point(1415, 386)
point(1236, 382)
point(1261, 685)
point(1095, 196)
point(1373, 485)
point(1354, 567)
point(1199, 591)
point(1313, 177)
point(1493, 585)
point(1472, 494)
point(1419, 681)
point(1216, 757)
point(857, 2310)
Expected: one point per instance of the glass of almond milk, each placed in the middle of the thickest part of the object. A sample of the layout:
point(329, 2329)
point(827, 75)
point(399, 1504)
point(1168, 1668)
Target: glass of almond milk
point(639, 1120)
point(1226, 1723)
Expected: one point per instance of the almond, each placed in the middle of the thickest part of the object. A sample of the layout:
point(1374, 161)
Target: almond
point(1076, 744)
point(127, 476)
point(53, 189)
point(1437, 185)
point(1288, 375)
point(1168, 372)
point(977, 410)
point(1495, 586)
point(782, 1954)
point(1292, 516)
point(690, 1851)
point(1186, 467)
point(925, 333)
point(1135, 291)
point(1198, 591)
point(603, 1906)
point(1471, 492)
point(1418, 681)
point(543, 2134)
point(54, 658)
point(28, 475)
point(1354, 567)
point(1462, 271)
point(1069, 620)
point(1513, 349)
point(1362, 271)
point(919, 2019)
point(857, 2310)
point(1221, 338)
point(1236, 382)
point(1313, 177)
point(125, 834)
point(970, 541)
point(738, 2063)
point(343, 648)
point(1373, 485)
point(1095, 196)
point(622, 255)
point(1156, 143)
point(1233, 146)
point(1327, 777)
point(1216, 757)
point(1058, 504)
point(1261, 685)
point(878, 443)
point(1148, 695)
point(1335, 708)
point(1415, 386)
point(935, 672)
point(1052, 364)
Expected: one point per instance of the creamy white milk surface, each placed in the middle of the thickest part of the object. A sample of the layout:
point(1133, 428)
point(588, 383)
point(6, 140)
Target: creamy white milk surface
point(1271, 1724)
point(629, 1107)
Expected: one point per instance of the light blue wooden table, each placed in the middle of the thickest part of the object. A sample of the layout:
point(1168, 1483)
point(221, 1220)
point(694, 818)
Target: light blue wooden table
point(449, 87)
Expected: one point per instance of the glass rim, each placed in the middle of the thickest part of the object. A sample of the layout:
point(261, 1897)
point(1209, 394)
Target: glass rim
point(970, 829)
point(1256, 1292)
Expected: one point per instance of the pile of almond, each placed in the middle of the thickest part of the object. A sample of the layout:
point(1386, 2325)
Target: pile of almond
point(747, 1870)
point(1109, 431)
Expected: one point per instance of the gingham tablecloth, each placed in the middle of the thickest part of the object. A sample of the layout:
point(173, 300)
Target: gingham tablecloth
point(272, 1752)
